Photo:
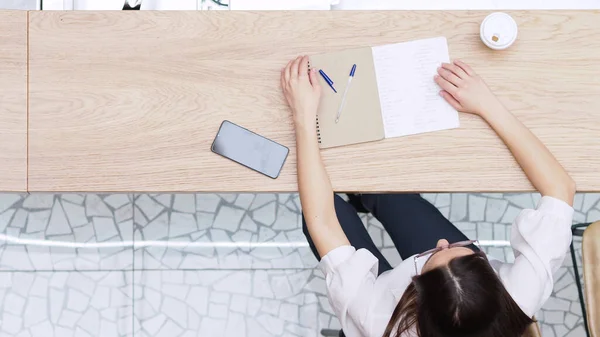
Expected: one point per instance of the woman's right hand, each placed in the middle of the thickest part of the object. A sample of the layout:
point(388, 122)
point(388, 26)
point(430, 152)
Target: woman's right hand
point(467, 92)
point(464, 90)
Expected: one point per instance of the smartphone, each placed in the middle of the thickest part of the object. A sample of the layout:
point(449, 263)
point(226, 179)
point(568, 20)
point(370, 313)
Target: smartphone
point(250, 149)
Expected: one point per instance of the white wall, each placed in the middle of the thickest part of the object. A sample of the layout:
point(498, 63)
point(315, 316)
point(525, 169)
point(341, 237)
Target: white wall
point(312, 4)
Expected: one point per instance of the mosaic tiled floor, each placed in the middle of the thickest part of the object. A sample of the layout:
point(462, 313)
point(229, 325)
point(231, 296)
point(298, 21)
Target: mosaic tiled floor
point(206, 264)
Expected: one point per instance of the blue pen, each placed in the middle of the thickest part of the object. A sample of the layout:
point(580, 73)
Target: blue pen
point(328, 80)
point(337, 118)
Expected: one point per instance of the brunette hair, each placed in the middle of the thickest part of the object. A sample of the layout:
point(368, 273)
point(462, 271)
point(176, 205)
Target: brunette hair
point(465, 298)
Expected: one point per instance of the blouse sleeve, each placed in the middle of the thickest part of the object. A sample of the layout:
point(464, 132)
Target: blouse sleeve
point(540, 239)
point(350, 279)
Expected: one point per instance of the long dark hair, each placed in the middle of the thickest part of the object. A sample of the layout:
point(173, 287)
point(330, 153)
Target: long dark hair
point(465, 298)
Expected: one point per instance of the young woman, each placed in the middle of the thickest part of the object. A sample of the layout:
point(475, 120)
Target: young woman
point(439, 289)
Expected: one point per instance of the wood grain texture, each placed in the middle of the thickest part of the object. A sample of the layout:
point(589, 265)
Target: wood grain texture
point(132, 101)
point(13, 101)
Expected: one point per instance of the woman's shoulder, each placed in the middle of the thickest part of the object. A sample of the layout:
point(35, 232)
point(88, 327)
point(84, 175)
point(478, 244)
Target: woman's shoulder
point(547, 207)
point(540, 240)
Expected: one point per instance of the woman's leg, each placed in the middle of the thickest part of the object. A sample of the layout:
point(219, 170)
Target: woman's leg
point(355, 231)
point(413, 223)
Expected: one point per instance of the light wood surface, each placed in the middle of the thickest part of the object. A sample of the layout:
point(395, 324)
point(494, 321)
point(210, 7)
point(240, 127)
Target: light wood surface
point(13, 101)
point(123, 101)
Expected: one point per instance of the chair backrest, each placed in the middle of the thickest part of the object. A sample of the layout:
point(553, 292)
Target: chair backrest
point(533, 330)
point(590, 249)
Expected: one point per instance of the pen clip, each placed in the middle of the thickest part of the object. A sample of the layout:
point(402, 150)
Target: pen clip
point(352, 70)
point(328, 80)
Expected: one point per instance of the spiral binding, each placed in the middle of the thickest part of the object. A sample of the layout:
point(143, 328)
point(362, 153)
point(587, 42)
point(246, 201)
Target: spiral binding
point(318, 130)
point(318, 127)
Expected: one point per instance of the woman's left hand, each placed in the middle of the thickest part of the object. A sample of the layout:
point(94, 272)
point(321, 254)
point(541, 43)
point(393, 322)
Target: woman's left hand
point(302, 91)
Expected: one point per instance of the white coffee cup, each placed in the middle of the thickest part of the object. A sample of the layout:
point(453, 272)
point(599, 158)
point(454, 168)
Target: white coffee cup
point(498, 31)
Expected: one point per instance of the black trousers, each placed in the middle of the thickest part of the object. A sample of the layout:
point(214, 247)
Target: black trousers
point(414, 225)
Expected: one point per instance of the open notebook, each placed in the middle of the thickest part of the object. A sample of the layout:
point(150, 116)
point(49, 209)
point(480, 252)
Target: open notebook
point(392, 94)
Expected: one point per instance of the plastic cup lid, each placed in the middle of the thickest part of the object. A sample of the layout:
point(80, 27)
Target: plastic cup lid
point(499, 30)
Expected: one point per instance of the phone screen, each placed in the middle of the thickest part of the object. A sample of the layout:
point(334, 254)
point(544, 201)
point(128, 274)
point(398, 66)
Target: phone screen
point(250, 149)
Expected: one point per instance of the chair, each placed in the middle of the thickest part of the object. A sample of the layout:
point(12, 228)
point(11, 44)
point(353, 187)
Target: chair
point(533, 330)
point(590, 251)
point(330, 332)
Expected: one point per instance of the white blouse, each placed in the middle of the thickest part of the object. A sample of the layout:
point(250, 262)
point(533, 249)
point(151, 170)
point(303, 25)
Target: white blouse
point(364, 302)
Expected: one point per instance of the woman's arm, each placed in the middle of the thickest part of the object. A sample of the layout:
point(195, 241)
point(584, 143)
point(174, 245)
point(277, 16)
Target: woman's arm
point(467, 92)
point(302, 92)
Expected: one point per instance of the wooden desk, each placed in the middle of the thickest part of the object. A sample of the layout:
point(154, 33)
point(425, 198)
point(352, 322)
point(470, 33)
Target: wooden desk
point(13, 101)
point(125, 101)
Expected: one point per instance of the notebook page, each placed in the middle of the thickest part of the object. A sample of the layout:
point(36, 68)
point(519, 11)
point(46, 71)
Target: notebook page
point(410, 100)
